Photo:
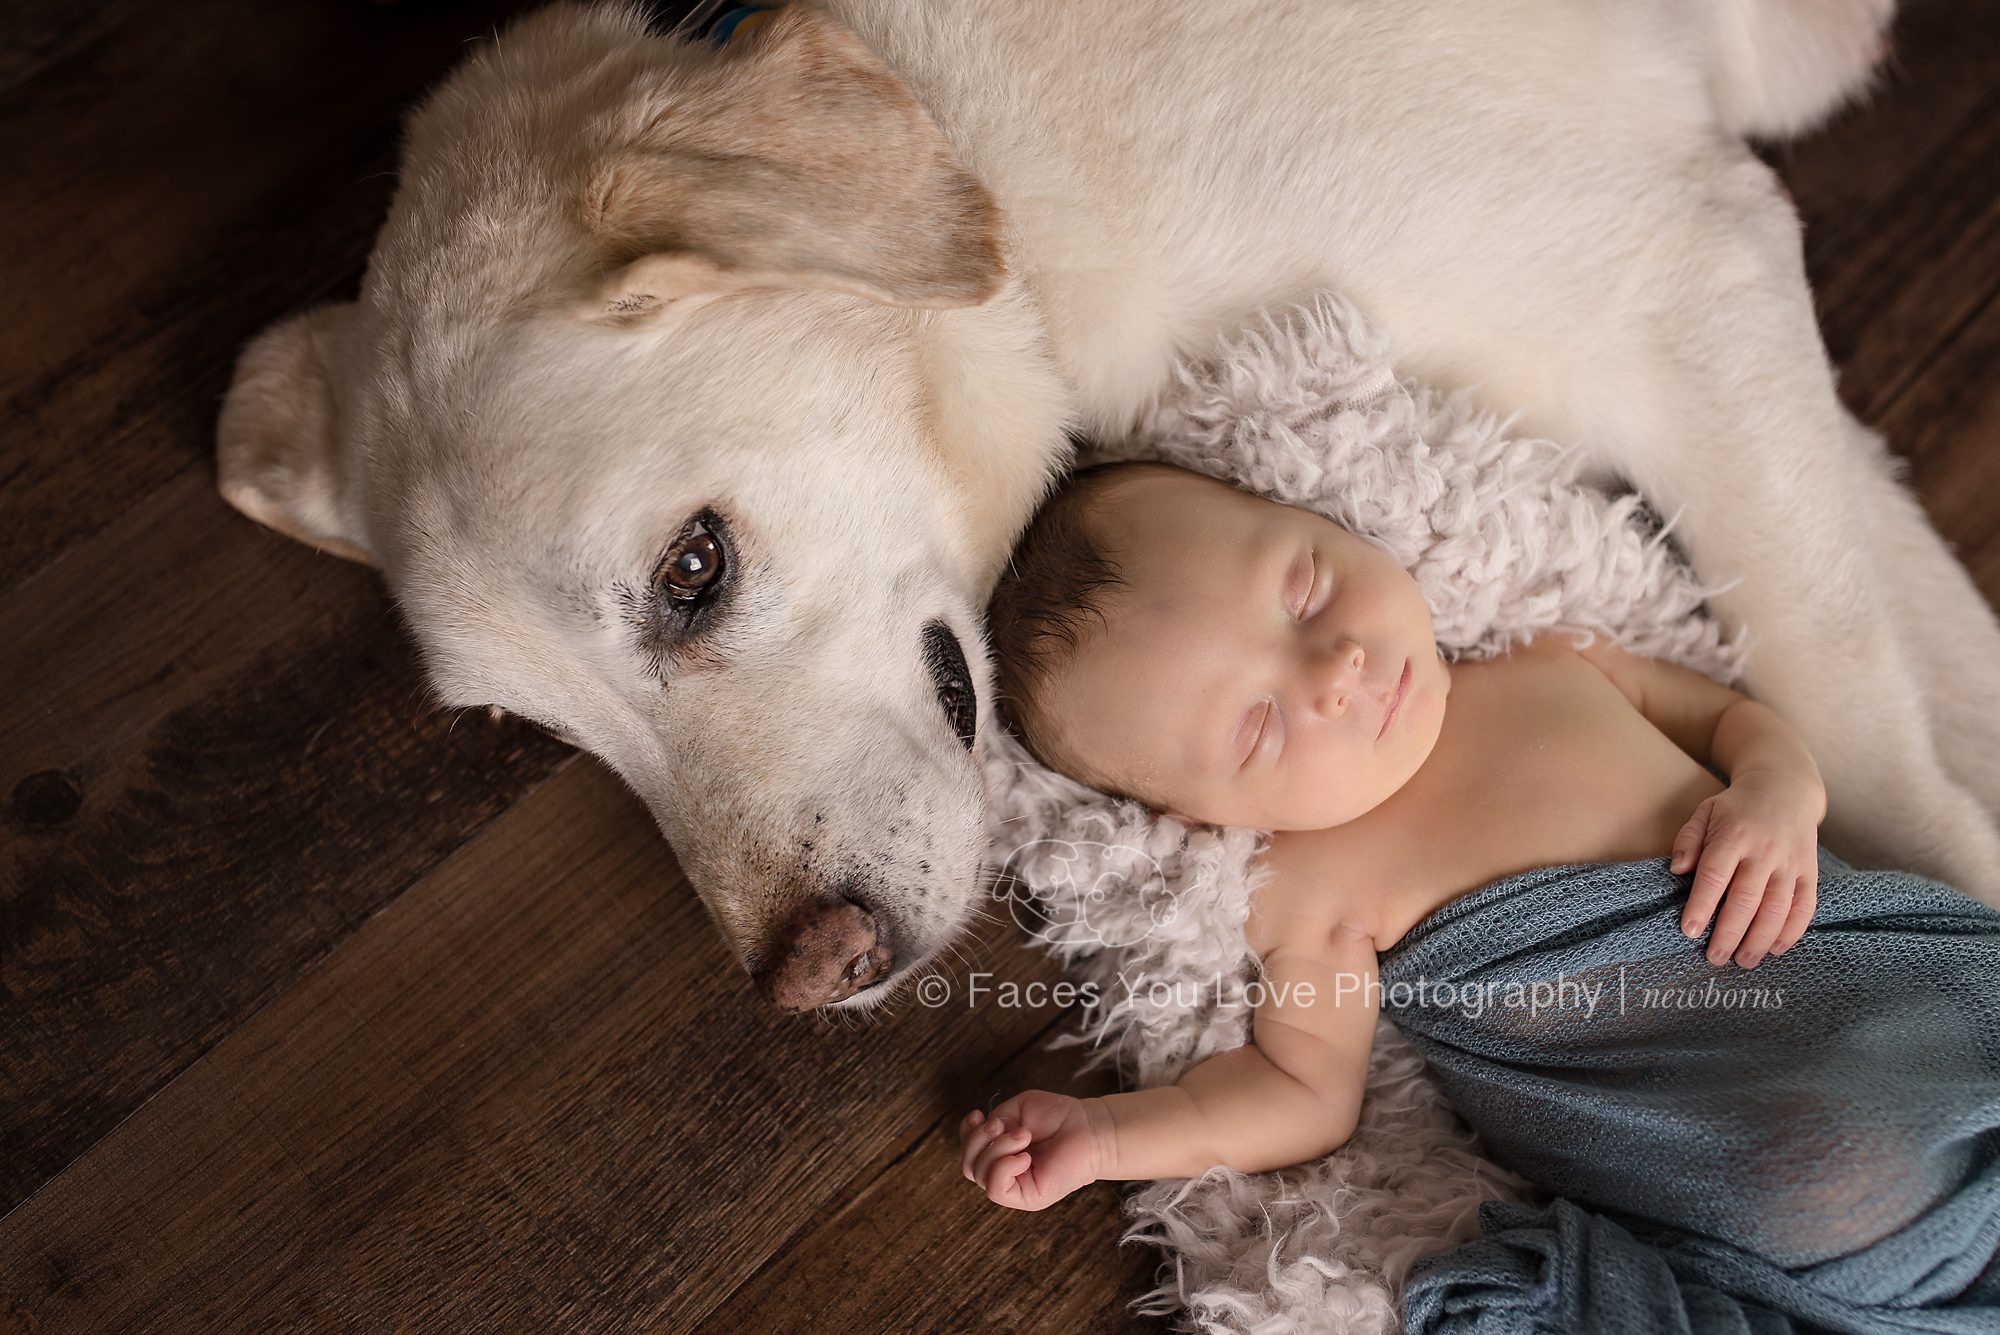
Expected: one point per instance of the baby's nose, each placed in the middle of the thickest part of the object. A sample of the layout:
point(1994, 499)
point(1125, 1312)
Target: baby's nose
point(1343, 677)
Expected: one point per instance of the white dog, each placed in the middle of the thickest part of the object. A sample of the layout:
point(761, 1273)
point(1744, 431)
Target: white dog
point(695, 393)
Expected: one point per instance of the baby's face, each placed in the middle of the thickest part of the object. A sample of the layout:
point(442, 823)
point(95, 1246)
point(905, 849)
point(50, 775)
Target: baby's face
point(1260, 666)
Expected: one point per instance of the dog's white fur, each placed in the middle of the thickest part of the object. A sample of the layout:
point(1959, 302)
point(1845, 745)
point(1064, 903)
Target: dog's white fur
point(627, 277)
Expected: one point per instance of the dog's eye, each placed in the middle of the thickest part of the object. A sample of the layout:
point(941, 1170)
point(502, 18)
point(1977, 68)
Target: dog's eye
point(953, 683)
point(692, 566)
point(687, 600)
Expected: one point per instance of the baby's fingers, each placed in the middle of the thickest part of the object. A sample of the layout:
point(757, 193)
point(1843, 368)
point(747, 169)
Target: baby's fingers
point(1006, 1181)
point(1711, 878)
point(1770, 919)
point(997, 1147)
point(974, 1139)
point(1687, 844)
point(1746, 895)
point(1805, 898)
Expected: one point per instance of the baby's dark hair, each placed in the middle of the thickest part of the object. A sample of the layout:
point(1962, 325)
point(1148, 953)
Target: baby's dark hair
point(1054, 584)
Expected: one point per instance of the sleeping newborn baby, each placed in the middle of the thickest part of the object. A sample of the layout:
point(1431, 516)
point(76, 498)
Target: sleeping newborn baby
point(1170, 638)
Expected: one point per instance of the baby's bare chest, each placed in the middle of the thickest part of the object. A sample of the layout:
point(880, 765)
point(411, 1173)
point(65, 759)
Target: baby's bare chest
point(1550, 764)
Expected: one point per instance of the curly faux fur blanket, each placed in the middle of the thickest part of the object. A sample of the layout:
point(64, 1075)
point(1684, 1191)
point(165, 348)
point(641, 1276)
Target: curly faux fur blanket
point(1505, 542)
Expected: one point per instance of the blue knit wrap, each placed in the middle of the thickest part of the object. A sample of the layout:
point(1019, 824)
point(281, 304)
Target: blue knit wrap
point(1811, 1144)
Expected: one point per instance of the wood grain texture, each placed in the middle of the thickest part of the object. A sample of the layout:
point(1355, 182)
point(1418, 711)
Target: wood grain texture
point(320, 1008)
point(41, 32)
point(532, 1090)
point(1938, 76)
point(936, 1254)
point(219, 759)
point(1946, 423)
point(172, 187)
point(1898, 292)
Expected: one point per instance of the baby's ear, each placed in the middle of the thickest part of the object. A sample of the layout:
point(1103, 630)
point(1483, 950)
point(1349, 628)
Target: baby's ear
point(280, 456)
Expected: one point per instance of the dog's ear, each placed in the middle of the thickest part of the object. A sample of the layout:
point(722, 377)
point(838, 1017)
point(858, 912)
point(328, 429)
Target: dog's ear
point(280, 457)
point(795, 158)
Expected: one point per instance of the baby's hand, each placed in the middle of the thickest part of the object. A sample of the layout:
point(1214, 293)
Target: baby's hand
point(1758, 839)
point(1034, 1150)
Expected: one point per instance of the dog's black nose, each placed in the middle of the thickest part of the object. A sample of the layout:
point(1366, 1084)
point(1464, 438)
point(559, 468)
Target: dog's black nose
point(826, 953)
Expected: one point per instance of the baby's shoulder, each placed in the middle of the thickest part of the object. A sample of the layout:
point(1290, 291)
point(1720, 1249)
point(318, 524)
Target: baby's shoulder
point(1548, 646)
point(1535, 675)
point(1311, 887)
point(1602, 660)
point(1553, 682)
point(1554, 655)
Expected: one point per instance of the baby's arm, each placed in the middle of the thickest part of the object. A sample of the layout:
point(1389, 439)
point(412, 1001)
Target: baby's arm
point(1290, 1095)
point(1758, 840)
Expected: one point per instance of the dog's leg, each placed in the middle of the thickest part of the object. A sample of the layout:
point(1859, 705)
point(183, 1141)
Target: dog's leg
point(1951, 631)
point(1731, 418)
point(1781, 67)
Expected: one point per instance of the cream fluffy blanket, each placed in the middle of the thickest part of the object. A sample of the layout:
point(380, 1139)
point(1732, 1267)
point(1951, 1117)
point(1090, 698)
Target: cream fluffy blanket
point(1505, 542)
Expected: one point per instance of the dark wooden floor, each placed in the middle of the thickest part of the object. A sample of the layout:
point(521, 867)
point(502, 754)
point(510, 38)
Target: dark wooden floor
point(324, 1008)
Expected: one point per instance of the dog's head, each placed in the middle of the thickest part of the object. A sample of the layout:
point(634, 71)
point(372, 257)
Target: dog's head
point(659, 412)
